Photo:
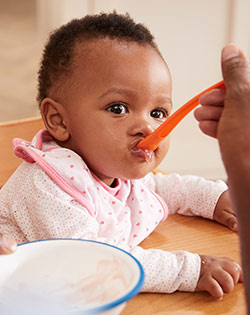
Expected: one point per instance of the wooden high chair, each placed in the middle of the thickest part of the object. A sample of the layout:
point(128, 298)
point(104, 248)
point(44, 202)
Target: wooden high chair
point(25, 129)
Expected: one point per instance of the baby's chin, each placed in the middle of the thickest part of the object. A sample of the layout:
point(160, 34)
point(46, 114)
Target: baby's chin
point(145, 168)
point(139, 172)
point(131, 169)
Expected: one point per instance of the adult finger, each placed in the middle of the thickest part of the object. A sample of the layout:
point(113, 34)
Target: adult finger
point(213, 97)
point(208, 113)
point(235, 69)
point(209, 127)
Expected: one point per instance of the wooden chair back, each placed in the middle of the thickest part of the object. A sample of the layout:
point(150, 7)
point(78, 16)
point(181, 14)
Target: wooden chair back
point(25, 129)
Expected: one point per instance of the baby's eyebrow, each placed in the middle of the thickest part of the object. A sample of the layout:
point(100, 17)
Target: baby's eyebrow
point(118, 91)
point(165, 99)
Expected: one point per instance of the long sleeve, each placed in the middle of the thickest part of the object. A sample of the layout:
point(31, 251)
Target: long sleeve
point(187, 195)
point(167, 272)
point(33, 207)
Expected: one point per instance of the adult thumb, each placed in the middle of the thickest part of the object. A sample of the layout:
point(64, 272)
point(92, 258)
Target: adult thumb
point(235, 67)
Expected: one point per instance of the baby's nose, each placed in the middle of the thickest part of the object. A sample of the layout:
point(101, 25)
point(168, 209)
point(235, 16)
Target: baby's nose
point(143, 128)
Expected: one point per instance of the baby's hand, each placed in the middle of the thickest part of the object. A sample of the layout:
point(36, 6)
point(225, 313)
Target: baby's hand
point(224, 213)
point(218, 275)
point(7, 245)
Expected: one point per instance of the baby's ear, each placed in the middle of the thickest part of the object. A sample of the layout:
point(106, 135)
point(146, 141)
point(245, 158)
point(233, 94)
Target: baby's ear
point(53, 115)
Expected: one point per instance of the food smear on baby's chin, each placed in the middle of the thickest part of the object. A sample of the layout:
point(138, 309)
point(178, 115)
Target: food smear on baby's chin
point(146, 154)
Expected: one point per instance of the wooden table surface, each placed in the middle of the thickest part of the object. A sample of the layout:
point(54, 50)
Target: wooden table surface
point(199, 236)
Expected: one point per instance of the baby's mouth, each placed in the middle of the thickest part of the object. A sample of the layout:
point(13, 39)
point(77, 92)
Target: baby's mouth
point(147, 155)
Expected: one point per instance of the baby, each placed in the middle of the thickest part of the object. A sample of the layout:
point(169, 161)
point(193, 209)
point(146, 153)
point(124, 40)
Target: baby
point(103, 87)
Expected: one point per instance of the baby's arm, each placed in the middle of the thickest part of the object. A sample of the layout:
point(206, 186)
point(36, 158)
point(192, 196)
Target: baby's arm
point(187, 195)
point(33, 207)
point(193, 195)
point(167, 272)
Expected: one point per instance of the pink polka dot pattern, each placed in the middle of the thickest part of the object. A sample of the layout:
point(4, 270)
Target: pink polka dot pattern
point(169, 271)
point(187, 195)
point(52, 218)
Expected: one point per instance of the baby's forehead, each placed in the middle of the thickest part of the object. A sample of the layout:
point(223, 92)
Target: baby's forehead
point(105, 63)
point(91, 49)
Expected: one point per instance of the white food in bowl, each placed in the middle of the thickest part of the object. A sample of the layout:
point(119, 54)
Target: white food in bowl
point(67, 276)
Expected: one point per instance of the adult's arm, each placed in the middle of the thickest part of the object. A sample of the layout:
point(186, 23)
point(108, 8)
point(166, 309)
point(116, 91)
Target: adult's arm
point(226, 115)
point(234, 141)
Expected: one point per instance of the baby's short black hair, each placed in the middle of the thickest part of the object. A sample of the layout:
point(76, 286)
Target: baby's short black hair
point(58, 52)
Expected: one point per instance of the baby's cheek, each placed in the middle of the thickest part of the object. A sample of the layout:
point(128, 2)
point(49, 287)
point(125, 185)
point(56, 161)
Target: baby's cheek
point(162, 150)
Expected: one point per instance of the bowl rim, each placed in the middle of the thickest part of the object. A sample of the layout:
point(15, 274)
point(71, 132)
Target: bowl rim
point(134, 291)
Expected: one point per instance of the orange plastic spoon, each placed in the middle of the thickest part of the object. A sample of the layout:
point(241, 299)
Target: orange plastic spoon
point(151, 142)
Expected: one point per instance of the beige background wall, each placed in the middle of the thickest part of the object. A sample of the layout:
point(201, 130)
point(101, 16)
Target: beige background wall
point(190, 34)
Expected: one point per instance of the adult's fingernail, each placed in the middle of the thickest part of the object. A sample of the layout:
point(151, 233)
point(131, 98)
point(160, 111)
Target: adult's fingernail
point(230, 51)
point(9, 243)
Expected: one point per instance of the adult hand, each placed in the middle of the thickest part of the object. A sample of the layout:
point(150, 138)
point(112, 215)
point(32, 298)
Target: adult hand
point(7, 245)
point(225, 113)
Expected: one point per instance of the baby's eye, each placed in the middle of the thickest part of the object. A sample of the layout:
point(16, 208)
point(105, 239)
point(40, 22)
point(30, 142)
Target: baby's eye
point(159, 113)
point(118, 108)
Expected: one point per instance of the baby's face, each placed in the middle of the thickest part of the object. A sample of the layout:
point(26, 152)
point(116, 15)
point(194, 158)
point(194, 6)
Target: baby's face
point(120, 93)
